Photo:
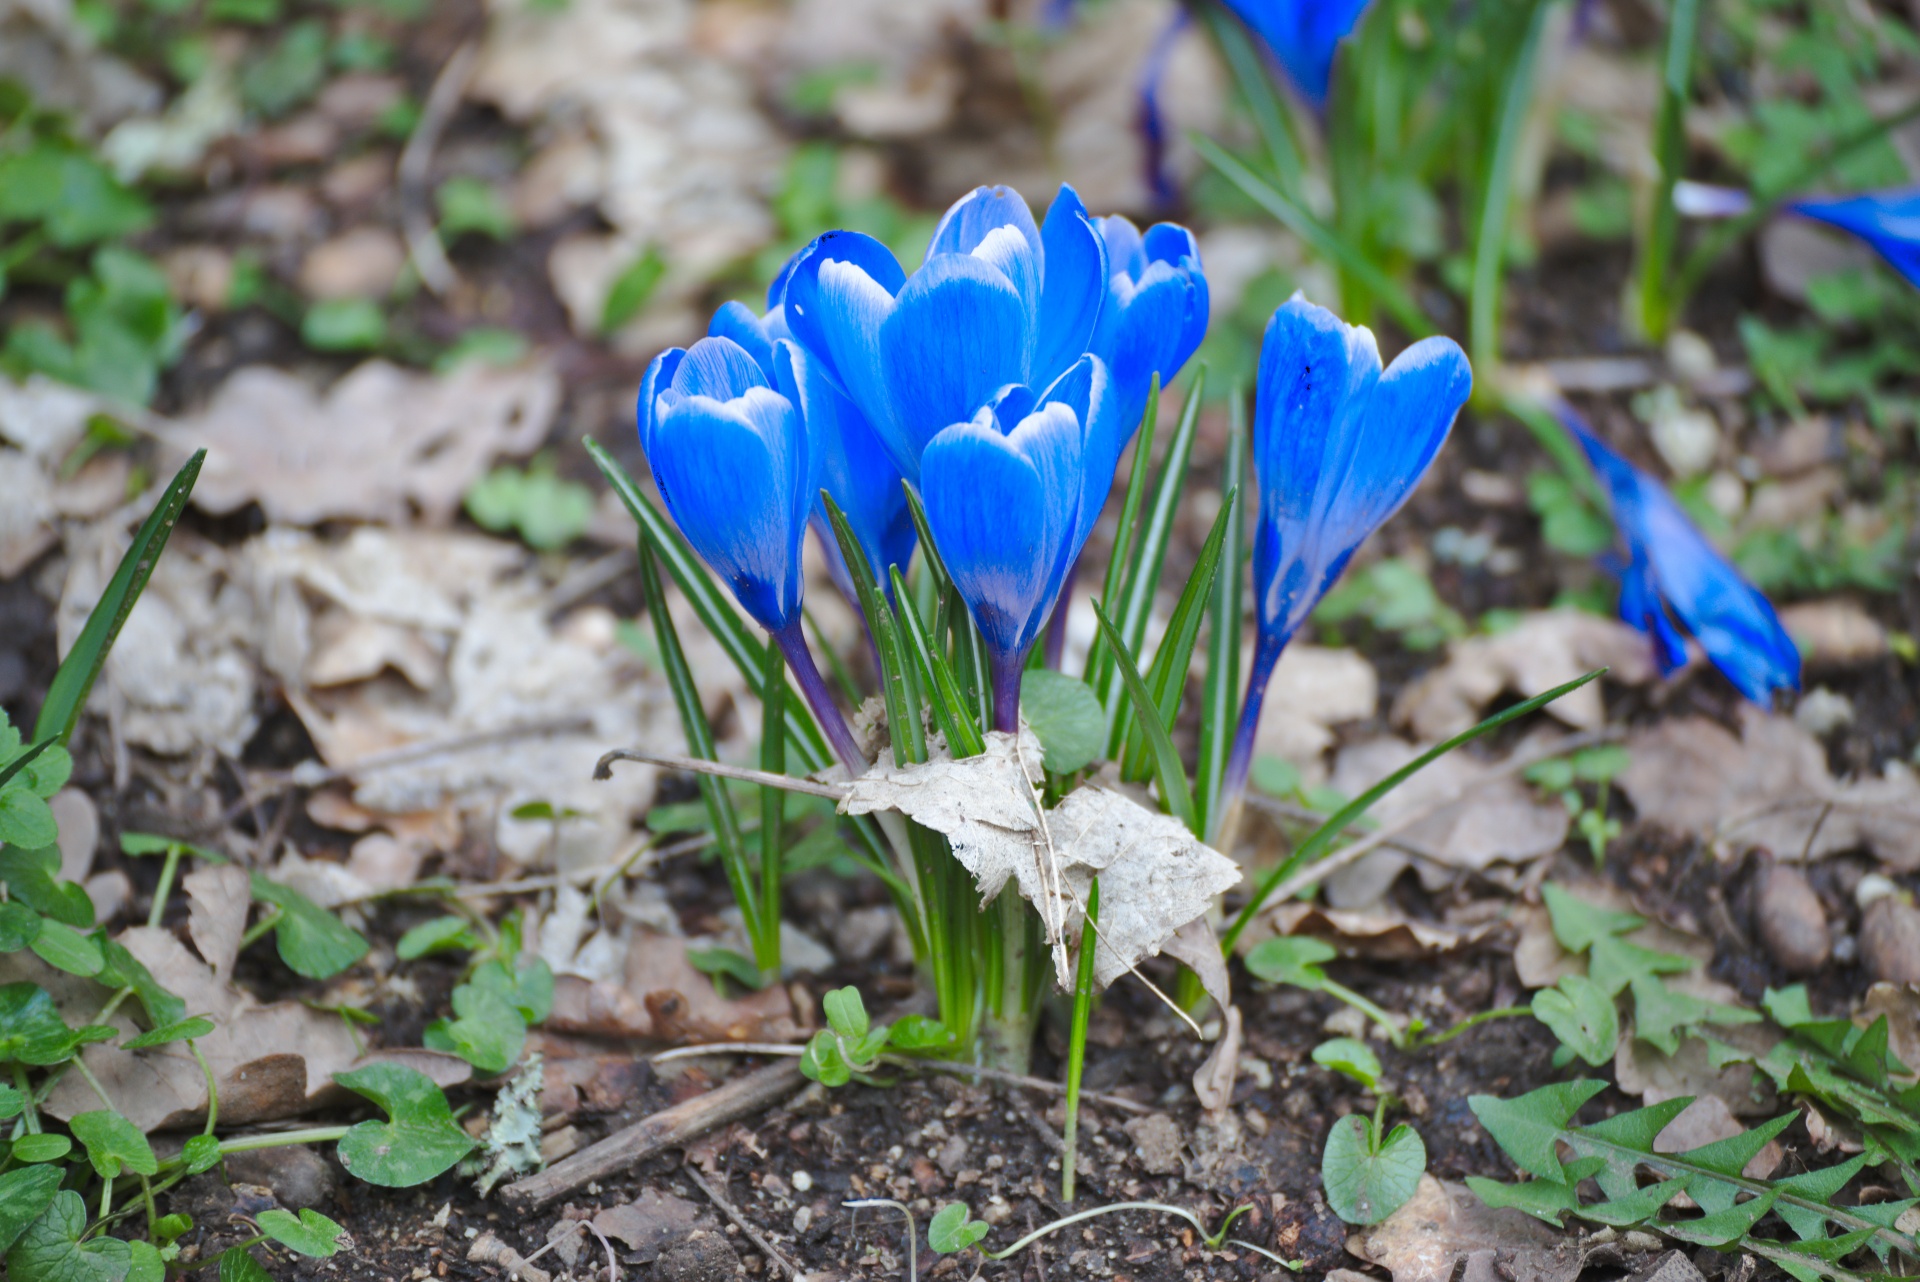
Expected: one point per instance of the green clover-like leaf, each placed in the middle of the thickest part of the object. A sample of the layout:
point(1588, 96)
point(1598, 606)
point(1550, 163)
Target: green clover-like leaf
point(418, 1140)
point(1349, 1056)
point(24, 1194)
point(114, 1144)
point(311, 940)
point(51, 1250)
point(1582, 1016)
point(954, 1229)
point(1367, 1181)
point(201, 1153)
point(311, 1233)
point(1065, 716)
point(1291, 959)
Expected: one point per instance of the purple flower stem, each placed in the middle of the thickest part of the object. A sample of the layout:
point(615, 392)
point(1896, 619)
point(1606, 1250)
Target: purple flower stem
point(813, 688)
point(1057, 626)
point(1007, 671)
point(1265, 655)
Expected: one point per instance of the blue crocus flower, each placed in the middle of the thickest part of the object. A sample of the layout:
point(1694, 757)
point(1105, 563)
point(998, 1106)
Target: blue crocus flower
point(1887, 220)
point(853, 466)
point(1006, 493)
point(1338, 445)
point(1672, 573)
point(731, 452)
point(1156, 309)
point(998, 301)
point(1303, 36)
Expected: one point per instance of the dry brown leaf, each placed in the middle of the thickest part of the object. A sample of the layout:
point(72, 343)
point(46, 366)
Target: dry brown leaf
point(663, 998)
point(218, 897)
point(1313, 689)
point(1544, 650)
point(1769, 789)
point(1425, 1240)
point(1835, 632)
point(1213, 1080)
point(650, 1223)
point(1378, 936)
point(1900, 1003)
point(377, 445)
point(1707, 1120)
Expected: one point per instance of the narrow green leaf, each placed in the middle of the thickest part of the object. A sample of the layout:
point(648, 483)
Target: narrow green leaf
point(1635, 1208)
point(41, 1148)
point(1723, 1227)
point(74, 679)
point(1098, 669)
point(184, 1031)
point(310, 1233)
point(61, 946)
point(1170, 773)
point(1815, 1186)
point(1729, 1157)
point(1328, 832)
point(1269, 112)
point(896, 687)
point(1543, 1199)
point(1496, 200)
point(1220, 697)
point(951, 711)
point(1322, 239)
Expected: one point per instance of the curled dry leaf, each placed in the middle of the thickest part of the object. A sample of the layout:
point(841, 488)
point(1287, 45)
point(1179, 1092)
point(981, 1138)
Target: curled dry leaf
point(663, 998)
point(1213, 1080)
point(1769, 789)
point(1155, 877)
point(375, 446)
point(1427, 1239)
point(1544, 650)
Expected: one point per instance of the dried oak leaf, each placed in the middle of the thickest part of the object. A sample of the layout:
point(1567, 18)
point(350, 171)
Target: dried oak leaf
point(1544, 650)
point(664, 998)
point(1426, 1240)
point(376, 445)
point(1155, 877)
point(650, 1223)
point(1769, 789)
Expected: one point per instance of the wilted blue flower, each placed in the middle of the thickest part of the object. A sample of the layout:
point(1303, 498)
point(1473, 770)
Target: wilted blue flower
point(1303, 36)
point(732, 460)
point(1005, 494)
point(1887, 220)
point(853, 467)
point(1337, 448)
point(997, 301)
point(1672, 572)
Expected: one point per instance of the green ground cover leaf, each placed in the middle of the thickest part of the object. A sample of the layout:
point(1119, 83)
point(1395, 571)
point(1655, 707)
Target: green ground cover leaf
point(114, 1144)
point(311, 940)
point(1366, 1181)
point(51, 1250)
point(418, 1140)
point(310, 1233)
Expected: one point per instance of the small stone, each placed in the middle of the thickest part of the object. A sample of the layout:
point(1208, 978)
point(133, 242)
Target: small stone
point(356, 182)
point(1890, 940)
point(1820, 712)
point(201, 275)
point(952, 1155)
point(1790, 920)
point(297, 1175)
point(862, 933)
point(1158, 1142)
point(802, 1182)
point(362, 263)
point(703, 1257)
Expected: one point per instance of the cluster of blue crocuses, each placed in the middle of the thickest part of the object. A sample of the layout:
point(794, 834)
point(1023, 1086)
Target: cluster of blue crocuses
point(1002, 381)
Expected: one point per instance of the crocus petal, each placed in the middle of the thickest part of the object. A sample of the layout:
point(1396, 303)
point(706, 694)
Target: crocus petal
point(718, 368)
point(1338, 448)
point(658, 378)
point(837, 298)
point(1002, 509)
point(736, 321)
point(1088, 390)
point(1074, 288)
point(994, 225)
point(1140, 333)
point(851, 465)
point(729, 472)
point(1888, 220)
point(1303, 35)
point(1674, 568)
point(1172, 243)
point(957, 333)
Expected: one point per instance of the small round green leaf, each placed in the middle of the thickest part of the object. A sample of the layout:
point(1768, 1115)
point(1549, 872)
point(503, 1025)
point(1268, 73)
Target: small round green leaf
point(1349, 1056)
point(846, 1013)
point(114, 1144)
point(418, 1140)
point(1291, 959)
point(311, 940)
point(1364, 1183)
point(311, 1233)
point(41, 1148)
point(202, 1153)
point(954, 1229)
point(1065, 716)
point(1582, 1015)
point(441, 935)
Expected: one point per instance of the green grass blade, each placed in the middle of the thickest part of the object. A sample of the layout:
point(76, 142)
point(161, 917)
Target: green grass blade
point(1167, 674)
point(1322, 239)
point(1220, 697)
point(950, 707)
point(929, 553)
point(1670, 154)
point(773, 804)
point(1268, 110)
point(1324, 836)
point(1149, 559)
point(699, 732)
point(1077, 1040)
point(735, 635)
point(1129, 514)
point(897, 685)
point(73, 682)
point(1490, 244)
point(1174, 794)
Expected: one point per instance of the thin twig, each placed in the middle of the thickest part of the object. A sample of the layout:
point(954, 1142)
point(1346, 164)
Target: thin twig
point(416, 163)
point(1040, 1084)
point(701, 766)
point(1318, 871)
point(727, 1209)
point(729, 1048)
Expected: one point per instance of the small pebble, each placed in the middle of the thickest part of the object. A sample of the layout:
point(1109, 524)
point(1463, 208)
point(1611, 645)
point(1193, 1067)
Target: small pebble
point(1890, 940)
point(1790, 920)
point(802, 1182)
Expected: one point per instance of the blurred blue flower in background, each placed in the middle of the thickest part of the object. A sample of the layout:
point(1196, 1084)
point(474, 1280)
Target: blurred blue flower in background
point(1887, 220)
point(1337, 448)
point(1671, 572)
point(1005, 494)
point(1303, 36)
point(853, 466)
point(997, 301)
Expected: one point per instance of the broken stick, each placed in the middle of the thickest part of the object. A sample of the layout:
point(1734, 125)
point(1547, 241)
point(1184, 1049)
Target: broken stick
point(759, 1089)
